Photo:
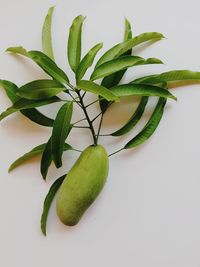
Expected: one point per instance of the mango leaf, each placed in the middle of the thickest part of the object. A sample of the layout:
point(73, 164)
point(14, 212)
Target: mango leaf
point(170, 76)
point(34, 152)
point(121, 63)
point(134, 118)
point(74, 42)
point(141, 90)
point(46, 159)
point(45, 62)
point(37, 117)
point(114, 79)
point(48, 200)
point(40, 89)
point(97, 89)
point(33, 114)
point(27, 104)
point(61, 128)
point(150, 127)
point(128, 31)
point(46, 34)
point(87, 61)
point(122, 48)
point(18, 50)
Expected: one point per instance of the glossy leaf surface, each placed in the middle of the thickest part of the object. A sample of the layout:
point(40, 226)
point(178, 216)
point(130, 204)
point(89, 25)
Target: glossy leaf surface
point(40, 89)
point(48, 200)
point(74, 42)
point(46, 34)
point(150, 127)
point(61, 128)
point(97, 89)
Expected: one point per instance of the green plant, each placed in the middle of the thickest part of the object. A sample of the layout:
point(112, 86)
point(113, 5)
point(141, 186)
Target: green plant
point(111, 67)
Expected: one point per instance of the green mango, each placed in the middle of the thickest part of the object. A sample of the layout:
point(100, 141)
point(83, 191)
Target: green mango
point(82, 185)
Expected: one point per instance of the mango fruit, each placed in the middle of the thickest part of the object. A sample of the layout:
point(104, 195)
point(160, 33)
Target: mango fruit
point(82, 184)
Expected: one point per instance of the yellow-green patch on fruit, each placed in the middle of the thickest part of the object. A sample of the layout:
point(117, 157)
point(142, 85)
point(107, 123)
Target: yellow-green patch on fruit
point(82, 185)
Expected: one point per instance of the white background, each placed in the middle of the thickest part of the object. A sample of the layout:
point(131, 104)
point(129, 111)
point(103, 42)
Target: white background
point(149, 211)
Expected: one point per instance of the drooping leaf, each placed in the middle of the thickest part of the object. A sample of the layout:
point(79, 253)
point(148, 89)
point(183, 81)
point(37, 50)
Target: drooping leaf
point(170, 76)
point(121, 63)
point(141, 90)
point(49, 66)
point(46, 159)
point(97, 89)
point(48, 200)
point(150, 127)
point(114, 79)
point(33, 114)
point(134, 119)
point(40, 89)
point(74, 42)
point(61, 128)
point(27, 104)
point(122, 48)
point(87, 61)
point(35, 151)
point(37, 117)
point(46, 34)
point(42, 60)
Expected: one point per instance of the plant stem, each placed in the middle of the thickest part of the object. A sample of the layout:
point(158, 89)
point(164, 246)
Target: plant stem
point(96, 117)
point(91, 103)
point(100, 123)
point(79, 121)
point(87, 117)
point(84, 127)
point(115, 152)
point(74, 99)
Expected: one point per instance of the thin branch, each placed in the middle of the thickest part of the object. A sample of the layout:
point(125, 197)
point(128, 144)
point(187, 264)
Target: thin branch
point(96, 117)
point(87, 117)
point(79, 121)
point(99, 129)
point(84, 127)
point(77, 102)
point(115, 152)
point(92, 103)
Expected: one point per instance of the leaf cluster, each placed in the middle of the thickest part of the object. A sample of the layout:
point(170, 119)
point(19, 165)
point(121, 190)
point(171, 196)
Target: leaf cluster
point(104, 82)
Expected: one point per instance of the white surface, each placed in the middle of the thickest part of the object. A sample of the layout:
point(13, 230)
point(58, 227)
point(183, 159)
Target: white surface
point(149, 211)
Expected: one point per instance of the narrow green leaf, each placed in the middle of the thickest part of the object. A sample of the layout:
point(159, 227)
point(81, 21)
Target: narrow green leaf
point(48, 200)
point(32, 114)
point(87, 61)
point(141, 90)
point(60, 132)
point(74, 42)
point(122, 48)
point(43, 61)
point(49, 66)
point(150, 127)
point(114, 79)
point(27, 104)
point(121, 63)
point(35, 151)
point(18, 50)
point(10, 89)
point(128, 30)
point(37, 117)
point(134, 119)
point(46, 159)
point(170, 76)
point(97, 89)
point(46, 34)
point(40, 89)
